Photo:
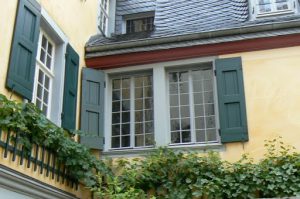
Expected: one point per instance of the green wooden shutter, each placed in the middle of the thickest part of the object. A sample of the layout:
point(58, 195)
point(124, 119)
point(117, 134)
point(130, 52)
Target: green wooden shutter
point(231, 100)
point(20, 77)
point(92, 108)
point(70, 89)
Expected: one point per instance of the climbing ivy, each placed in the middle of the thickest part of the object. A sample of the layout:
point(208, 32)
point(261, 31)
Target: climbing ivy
point(35, 128)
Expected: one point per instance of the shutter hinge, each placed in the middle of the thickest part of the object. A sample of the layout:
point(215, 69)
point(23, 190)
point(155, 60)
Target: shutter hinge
point(62, 115)
point(104, 84)
point(215, 72)
point(219, 131)
point(103, 141)
point(66, 55)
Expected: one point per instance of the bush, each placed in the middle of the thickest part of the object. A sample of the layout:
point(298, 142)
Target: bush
point(182, 175)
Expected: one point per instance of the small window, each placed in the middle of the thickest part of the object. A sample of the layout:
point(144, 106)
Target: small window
point(132, 112)
point(139, 25)
point(44, 72)
point(192, 106)
point(273, 6)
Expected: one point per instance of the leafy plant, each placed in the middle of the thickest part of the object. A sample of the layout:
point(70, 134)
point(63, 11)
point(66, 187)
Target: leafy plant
point(35, 128)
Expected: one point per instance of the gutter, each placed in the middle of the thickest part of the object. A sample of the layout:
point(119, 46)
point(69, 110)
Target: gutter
point(194, 36)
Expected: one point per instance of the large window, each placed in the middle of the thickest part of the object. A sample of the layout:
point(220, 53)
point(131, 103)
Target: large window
point(273, 6)
point(44, 71)
point(132, 112)
point(192, 105)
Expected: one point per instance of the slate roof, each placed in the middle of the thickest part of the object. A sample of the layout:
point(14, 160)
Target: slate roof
point(181, 17)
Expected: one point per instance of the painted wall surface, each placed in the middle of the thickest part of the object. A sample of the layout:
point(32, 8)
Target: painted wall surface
point(78, 21)
point(272, 90)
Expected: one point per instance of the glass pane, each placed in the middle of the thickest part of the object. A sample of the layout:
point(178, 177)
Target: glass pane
point(125, 94)
point(116, 129)
point(185, 111)
point(148, 92)
point(282, 6)
point(116, 84)
point(47, 80)
point(139, 116)
point(174, 112)
point(116, 95)
point(148, 115)
point(116, 106)
point(173, 88)
point(198, 98)
point(148, 103)
point(149, 127)
point(210, 122)
point(139, 104)
point(39, 104)
point(125, 129)
point(199, 110)
point(41, 77)
point(265, 8)
point(208, 85)
point(125, 117)
point(147, 80)
point(149, 139)
point(197, 74)
point(49, 60)
point(208, 97)
point(43, 56)
point(175, 137)
point(200, 136)
point(183, 76)
point(115, 142)
point(125, 83)
point(50, 49)
point(39, 91)
point(173, 77)
point(200, 123)
point(197, 86)
point(211, 135)
point(139, 128)
point(207, 74)
point(174, 100)
point(138, 81)
point(115, 118)
point(184, 99)
point(126, 141)
point(138, 92)
point(126, 105)
point(44, 42)
point(184, 87)
point(185, 124)
point(45, 109)
point(139, 140)
point(186, 136)
point(46, 94)
point(209, 109)
point(175, 125)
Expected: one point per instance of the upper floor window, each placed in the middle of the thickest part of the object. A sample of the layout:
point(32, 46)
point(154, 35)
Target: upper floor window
point(103, 16)
point(139, 25)
point(273, 6)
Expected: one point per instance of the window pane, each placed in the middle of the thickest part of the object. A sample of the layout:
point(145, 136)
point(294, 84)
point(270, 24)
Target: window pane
point(125, 117)
point(148, 103)
point(50, 49)
point(139, 116)
point(200, 123)
point(47, 82)
point(44, 42)
point(116, 95)
point(138, 92)
point(208, 85)
point(139, 104)
point(125, 83)
point(198, 98)
point(185, 124)
point(184, 99)
point(186, 136)
point(126, 141)
point(148, 115)
point(173, 88)
point(148, 91)
point(185, 111)
point(43, 56)
point(125, 94)
point(41, 77)
point(125, 129)
point(149, 127)
point(39, 91)
point(200, 136)
point(139, 128)
point(175, 125)
point(116, 84)
point(197, 86)
point(211, 135)
point(173, 77)
point(126, 105)
point(210, 122)
point(208, 97)
point(184, 88)
point(115, 118)
point(174, 100)
point(115, 142)
point(139, 140)
point(183, 76)
point(115, 129)
point(174, 112)
point(175, 137)
point(116, 106)
point(149, 139)
point(46, 94)
point(199, 110)
point(48, 63)
point(45, 109)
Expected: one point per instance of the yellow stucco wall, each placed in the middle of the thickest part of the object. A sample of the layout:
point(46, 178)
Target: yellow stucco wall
point(272, 90)
point(78, 21)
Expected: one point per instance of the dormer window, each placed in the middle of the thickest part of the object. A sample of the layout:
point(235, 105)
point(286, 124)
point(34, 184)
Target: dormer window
point(139, 25)
point(267, 7)
point(138, 22)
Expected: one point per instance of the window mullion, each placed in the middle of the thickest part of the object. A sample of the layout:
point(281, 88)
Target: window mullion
point(192, 113)
point(132, 115)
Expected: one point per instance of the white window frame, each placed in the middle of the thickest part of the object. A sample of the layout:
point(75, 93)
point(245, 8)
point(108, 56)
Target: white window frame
point(49, 27)
point(162, 135)
point(293, 8)
point(136, 16)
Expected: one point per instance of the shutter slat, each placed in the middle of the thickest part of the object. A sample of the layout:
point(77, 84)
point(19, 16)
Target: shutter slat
point(231, 100)
point(70, 89)
point(92, 108)
point(20, 77)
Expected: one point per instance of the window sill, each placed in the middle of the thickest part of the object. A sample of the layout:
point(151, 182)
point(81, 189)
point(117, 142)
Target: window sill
point(137, 152)
point(276, 13)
